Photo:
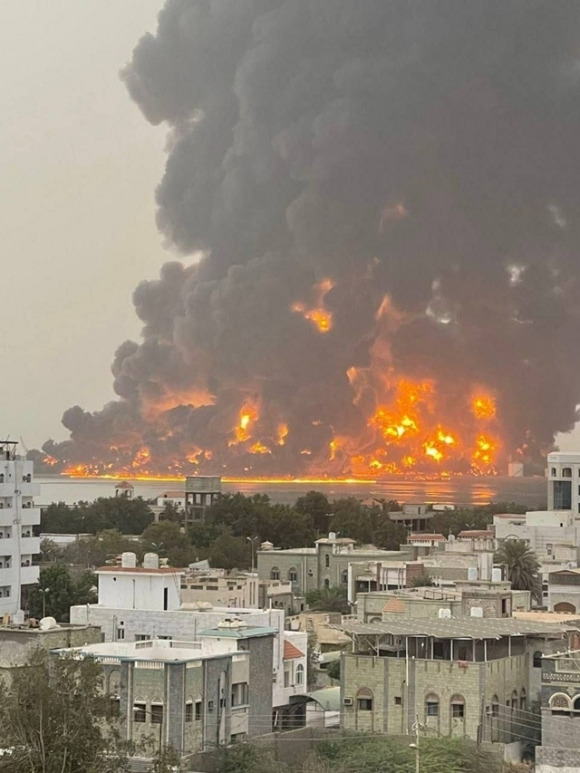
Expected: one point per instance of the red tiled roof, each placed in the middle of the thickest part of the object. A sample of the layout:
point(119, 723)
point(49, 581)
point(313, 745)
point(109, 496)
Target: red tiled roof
point(139, 570)
point(430, 537)
point(291, 652)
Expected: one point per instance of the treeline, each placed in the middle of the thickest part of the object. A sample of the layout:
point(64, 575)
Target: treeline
point(129, 516)
point(223, 537)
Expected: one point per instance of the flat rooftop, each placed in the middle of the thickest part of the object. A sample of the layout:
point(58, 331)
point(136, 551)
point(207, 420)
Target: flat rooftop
point(160, 650)
point(455, 628)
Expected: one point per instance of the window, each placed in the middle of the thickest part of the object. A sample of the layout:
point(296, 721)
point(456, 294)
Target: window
point(364, 699)
point(432, 706)
point(197, 711)
point(327, 583)
point(274, 573)
point(293, 575)
point(562, 495)
point(567, 472)
point(457, 710)
point(189, 711)
point(240, 694)
point(553, 472)
point(157, 713)
point(165, 638)
point(560, 704)
point(344, 576)
point(120, 633)
point(327, 560)
point(300, 674)
point(537, 662)
point(523, 701)
point(142, 637)
point(140, 712)
point(286, 678)
point(115, 705)
point(398, 700)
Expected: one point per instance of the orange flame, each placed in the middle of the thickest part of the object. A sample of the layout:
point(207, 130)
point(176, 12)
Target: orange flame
point(318, 314)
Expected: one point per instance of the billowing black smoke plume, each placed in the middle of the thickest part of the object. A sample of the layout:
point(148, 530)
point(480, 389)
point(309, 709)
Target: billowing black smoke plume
point(424, 150)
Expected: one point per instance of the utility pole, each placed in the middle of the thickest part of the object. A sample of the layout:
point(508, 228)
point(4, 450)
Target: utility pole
point(417, 727)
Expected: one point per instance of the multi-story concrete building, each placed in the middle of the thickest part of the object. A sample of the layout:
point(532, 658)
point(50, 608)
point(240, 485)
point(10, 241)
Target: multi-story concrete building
point(560, 707)
point(19, 522)
point(325, 565)
point(564, 481)
point(194, 696)
point(475, 598)
point(415, 516)
point(220, 588)
point(139, 603)
point(200, 493)
point(464, 677)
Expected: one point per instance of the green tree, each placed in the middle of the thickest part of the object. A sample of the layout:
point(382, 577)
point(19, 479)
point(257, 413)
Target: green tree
point(317, 507)
point(521, 566)
point(55, 718)
point(49, 551)
point(167, 539)
point(333, 670)
point(247, 758)
point(328, 600)
point(56, 592)
point(423, 580)
point(229, 552)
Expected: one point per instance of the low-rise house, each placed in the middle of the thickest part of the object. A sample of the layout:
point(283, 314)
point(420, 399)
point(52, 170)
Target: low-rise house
point(325, 565)
point(475, 598)
point(17, 642)
point(564, 591)
point(277, 594)
point(220, 587)
point(465, 677)
point(560, 714)
point(415, 516)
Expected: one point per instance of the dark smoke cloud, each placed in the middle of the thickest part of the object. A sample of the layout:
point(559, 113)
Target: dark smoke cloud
point(424, 149)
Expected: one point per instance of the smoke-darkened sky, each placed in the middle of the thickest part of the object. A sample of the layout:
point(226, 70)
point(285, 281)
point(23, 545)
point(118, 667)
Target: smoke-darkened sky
point(408, 168)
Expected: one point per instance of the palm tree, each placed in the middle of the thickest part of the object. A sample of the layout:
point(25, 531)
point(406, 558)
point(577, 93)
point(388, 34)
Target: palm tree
point(520, 565)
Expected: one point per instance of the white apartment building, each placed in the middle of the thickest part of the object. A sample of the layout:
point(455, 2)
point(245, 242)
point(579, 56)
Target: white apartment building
point(564, 481)
point(18, 517)
point(139, 603)
point(220, 588)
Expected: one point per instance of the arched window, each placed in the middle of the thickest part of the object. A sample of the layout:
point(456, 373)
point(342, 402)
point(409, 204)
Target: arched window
point(344, 576)
point(553, 472)
point(577, 704)
point(457, 707)
point(300, 674)
point(560, 704)
point(327, 560)
point(495, 706)
point(567, 472)
point(431, 705)
point(274, 573)
point(564, 606)
point(537, 662)
point(364, 699)
point(523, 700)
point(293, 574)
point(327, 583)
point(515, 701)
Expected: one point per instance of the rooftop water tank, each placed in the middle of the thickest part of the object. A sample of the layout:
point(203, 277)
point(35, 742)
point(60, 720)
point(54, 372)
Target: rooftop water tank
point(151, 561)
point(496, 574)
point(48, 623)
point(128, 560)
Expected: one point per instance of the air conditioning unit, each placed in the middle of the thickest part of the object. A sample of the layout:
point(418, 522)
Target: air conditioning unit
point(347, 701)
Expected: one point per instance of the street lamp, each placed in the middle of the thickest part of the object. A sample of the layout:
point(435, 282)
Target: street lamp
point(252, 541)
point(44, 591)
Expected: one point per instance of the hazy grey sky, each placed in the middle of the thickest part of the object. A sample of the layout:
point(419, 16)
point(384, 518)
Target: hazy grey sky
point(79, 165)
